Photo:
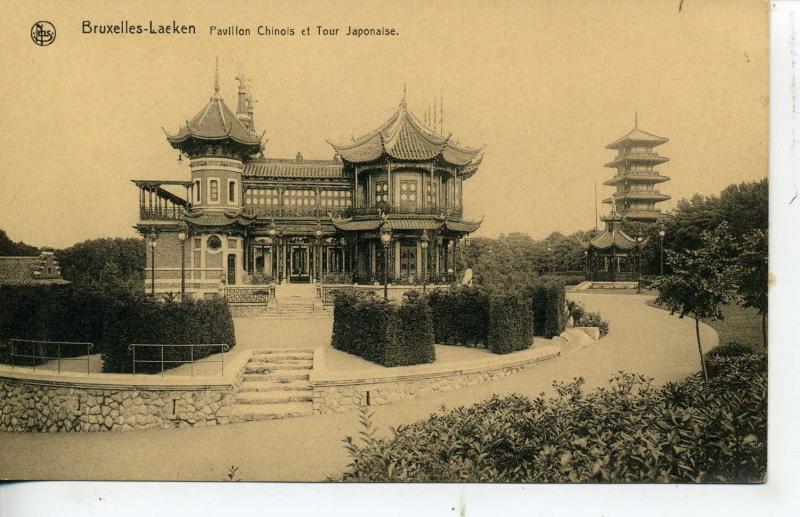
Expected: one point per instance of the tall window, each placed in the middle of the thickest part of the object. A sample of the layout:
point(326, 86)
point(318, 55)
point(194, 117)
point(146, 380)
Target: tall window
point(408, 192)
point(294, 197)
point(381, 192)
point(335, 198)
point(231, 192)
point(213, 190)
point(197, 191)
point(261, 196)
point(430, 196)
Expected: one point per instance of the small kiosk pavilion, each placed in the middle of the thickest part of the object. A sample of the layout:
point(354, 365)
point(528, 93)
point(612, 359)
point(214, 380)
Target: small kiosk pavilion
point(613, 255)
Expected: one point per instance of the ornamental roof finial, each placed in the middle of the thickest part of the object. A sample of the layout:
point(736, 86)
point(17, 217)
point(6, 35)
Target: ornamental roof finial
point(216, 77)
point(635, 118)
point(403, 101)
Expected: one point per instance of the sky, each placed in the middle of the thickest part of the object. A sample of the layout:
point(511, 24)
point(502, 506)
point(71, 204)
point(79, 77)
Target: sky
point(543, 85)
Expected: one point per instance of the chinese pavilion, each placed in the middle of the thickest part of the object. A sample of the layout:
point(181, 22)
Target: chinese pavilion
point(636, 178)
point(613, 255)
point(388, 203)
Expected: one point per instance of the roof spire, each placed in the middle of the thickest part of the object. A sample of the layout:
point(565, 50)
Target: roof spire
point(403, 101)
point(635, 118)
point(441, 110)
point(216, 77)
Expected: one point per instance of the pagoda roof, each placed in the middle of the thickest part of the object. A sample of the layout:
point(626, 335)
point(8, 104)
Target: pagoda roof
point(612, 237)
point(404, 137)
point(649, 195)
point(636, 135)
point(215, 121)
point(375, 223)
point(650, 158)
point(640, 178)
point(293, 168)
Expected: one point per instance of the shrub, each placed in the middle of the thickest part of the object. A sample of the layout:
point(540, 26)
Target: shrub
point(556, 321)
point(629, 431)
point(593, 319)
point(112, 317)
point(382, 332)
point(538, 296)
point(510, 317)
point(716, 358)
point(460, 315)
point(576, 310)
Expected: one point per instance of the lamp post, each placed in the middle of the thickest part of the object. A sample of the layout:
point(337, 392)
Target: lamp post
point(153, 236)
point(424, 243)
point(386, 238)
point(182, 237)
point(550, 258)
point(272, 233)
point(318, 253)
point(661, 234)
point(450, 262)
point(639, 261)
point(586, 263)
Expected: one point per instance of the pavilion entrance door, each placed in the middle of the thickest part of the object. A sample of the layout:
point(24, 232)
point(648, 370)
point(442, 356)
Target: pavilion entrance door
point(231, 270)
point(299, 264)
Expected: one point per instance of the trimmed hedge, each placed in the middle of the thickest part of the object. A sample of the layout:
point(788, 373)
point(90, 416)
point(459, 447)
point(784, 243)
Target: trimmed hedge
point(510, 328)
point(112, 318)
point(555, 308)
point(460, 316)
point(383, 332)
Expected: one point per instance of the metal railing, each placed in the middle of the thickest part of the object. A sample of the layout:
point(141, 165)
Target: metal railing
point(222, 348)
point(39, 345)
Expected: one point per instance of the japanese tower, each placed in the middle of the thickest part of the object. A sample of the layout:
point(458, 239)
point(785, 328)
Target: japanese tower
point(636, 178)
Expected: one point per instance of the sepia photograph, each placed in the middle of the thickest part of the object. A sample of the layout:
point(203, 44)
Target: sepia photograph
point(417, 242)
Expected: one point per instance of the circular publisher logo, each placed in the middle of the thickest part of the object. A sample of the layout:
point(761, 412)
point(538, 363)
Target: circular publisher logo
point(43, 33)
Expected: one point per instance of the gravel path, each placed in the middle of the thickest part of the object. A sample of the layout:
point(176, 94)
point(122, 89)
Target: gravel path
point(642, 339)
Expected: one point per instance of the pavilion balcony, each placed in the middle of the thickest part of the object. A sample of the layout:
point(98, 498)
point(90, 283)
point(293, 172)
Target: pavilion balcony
point(294, 211)
point(161, 213)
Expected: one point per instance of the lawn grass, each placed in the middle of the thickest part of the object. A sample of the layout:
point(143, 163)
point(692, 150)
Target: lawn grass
point(740, 324)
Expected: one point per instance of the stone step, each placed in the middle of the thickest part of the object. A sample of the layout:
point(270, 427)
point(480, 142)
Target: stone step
point(267, 385)
point(284, 354)
point(250, 412)
point(273, 397)
point(256, 367)
point(278, 375)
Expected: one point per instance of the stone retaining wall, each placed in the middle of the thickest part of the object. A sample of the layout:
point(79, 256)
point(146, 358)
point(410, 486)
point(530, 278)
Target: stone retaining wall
point(333, 395)
point(33, 406)
point(50, 402)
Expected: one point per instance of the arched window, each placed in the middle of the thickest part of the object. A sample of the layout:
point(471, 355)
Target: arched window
point(197, 190)
point(231, 192)
point(213, 190)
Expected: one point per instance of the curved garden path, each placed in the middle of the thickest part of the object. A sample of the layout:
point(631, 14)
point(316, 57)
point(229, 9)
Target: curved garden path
point(642, 339)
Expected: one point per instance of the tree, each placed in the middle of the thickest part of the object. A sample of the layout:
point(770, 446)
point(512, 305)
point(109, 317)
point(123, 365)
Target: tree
point(755, 279)
point(9, 248)
point(104, 261)
point(702, 280)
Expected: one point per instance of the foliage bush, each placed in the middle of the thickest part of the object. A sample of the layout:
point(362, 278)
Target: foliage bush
point(460, 315)
point(629, 431)
point(510, 322)
point(555, 308)
point(111, 318)
point(593, 319)
point(382, 332)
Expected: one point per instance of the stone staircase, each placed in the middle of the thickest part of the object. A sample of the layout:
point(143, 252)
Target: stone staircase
point(275, 384)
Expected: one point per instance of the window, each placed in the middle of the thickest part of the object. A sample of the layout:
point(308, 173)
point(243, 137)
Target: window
point(295, 197)
point(381, 192)
point(214, 242)
point(197, 191)
point(408, 259)
point(430, 197)
point(231, 192)
point(335, 198)
point(213, 190)
point(408, 191)
point(261, 196)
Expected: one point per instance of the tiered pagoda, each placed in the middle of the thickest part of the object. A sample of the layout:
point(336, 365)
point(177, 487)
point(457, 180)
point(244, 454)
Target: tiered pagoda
point(391, 197)
point(636, 178)
point(613, 255)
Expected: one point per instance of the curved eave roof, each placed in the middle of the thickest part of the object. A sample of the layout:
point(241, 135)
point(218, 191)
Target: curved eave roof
point(636, 178)
point(403, 137)
point(637, 136)
point(215, 122)
point(650, 158)
point(649, 196)
point(612, 238)
point(351, 225)
point(290, 168)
